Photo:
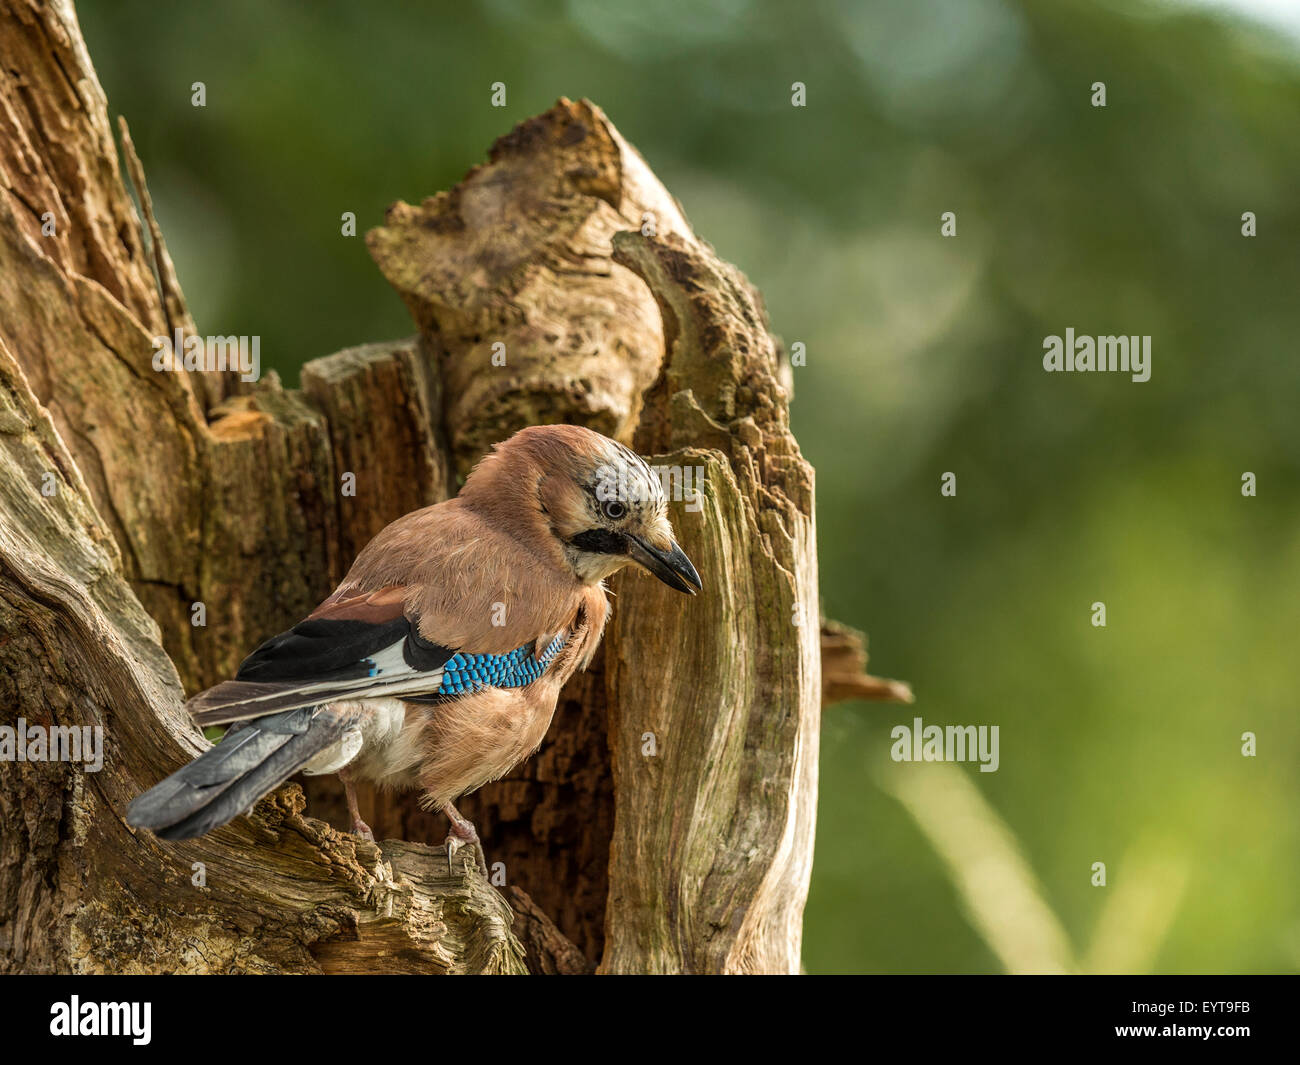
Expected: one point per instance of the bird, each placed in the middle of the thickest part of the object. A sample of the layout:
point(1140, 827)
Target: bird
point(436, 663)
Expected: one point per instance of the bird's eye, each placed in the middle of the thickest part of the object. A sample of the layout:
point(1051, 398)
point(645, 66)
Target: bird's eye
point(613, 509)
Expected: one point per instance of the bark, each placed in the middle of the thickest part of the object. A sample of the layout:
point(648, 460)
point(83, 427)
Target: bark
point(844, 669)
point(130, 495)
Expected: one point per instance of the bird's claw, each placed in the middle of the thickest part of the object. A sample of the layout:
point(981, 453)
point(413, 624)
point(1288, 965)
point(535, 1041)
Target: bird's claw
point(462, 831)
point(454, 844)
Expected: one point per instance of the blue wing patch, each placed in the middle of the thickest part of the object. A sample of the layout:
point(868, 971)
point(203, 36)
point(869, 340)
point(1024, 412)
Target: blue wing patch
point(470, 673)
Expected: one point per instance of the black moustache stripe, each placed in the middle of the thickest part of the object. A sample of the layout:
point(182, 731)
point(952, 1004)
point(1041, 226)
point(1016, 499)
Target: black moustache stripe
point(601, 542)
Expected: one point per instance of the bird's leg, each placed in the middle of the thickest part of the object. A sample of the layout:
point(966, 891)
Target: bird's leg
point(359, 827)
point(462, 832)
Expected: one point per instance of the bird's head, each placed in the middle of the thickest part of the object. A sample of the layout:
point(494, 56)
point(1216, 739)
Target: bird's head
point(599, 503)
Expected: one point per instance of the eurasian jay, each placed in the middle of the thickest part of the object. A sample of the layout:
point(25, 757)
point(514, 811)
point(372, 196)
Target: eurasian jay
point(437, 662)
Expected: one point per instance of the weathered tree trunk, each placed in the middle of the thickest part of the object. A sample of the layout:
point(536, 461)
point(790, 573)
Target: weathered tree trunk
point(667, 823)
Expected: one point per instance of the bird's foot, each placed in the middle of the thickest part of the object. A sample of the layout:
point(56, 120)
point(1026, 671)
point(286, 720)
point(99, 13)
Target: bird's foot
point(460, 832)
point(359, 827)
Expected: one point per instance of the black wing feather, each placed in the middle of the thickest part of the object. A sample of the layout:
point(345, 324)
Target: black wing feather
point(323, 649)
point(320, 660)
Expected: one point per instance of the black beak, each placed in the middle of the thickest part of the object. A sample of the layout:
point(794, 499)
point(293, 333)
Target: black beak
point(671, 567)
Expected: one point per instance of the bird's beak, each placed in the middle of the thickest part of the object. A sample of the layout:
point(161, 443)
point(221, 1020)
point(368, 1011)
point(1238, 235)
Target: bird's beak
point(671, 567)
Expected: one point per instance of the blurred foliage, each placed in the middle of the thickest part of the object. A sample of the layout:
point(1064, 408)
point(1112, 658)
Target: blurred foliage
point(924, 355)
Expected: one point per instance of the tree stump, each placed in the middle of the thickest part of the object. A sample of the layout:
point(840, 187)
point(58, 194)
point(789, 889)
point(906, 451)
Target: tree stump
point(667, 823)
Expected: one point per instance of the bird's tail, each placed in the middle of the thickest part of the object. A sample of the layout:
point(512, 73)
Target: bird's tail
point(251, 760)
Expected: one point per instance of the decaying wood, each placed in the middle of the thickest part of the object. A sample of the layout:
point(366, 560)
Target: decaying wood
point(687, 851)
point(79, 891)
point(844, 669)
point(172, 489)
point(515, 260)
point(734, 718)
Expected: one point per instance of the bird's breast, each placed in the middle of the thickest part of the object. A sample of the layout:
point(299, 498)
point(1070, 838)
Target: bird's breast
point(466, 742)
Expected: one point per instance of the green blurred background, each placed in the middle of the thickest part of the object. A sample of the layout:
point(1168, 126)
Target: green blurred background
point(1120, 744)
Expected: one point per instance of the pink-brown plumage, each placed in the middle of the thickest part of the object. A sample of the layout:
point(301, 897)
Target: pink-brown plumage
point(450, 749)
point(513, 566)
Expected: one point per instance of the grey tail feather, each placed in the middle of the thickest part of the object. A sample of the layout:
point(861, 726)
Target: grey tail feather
point(251, 760)
point(239, 700)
